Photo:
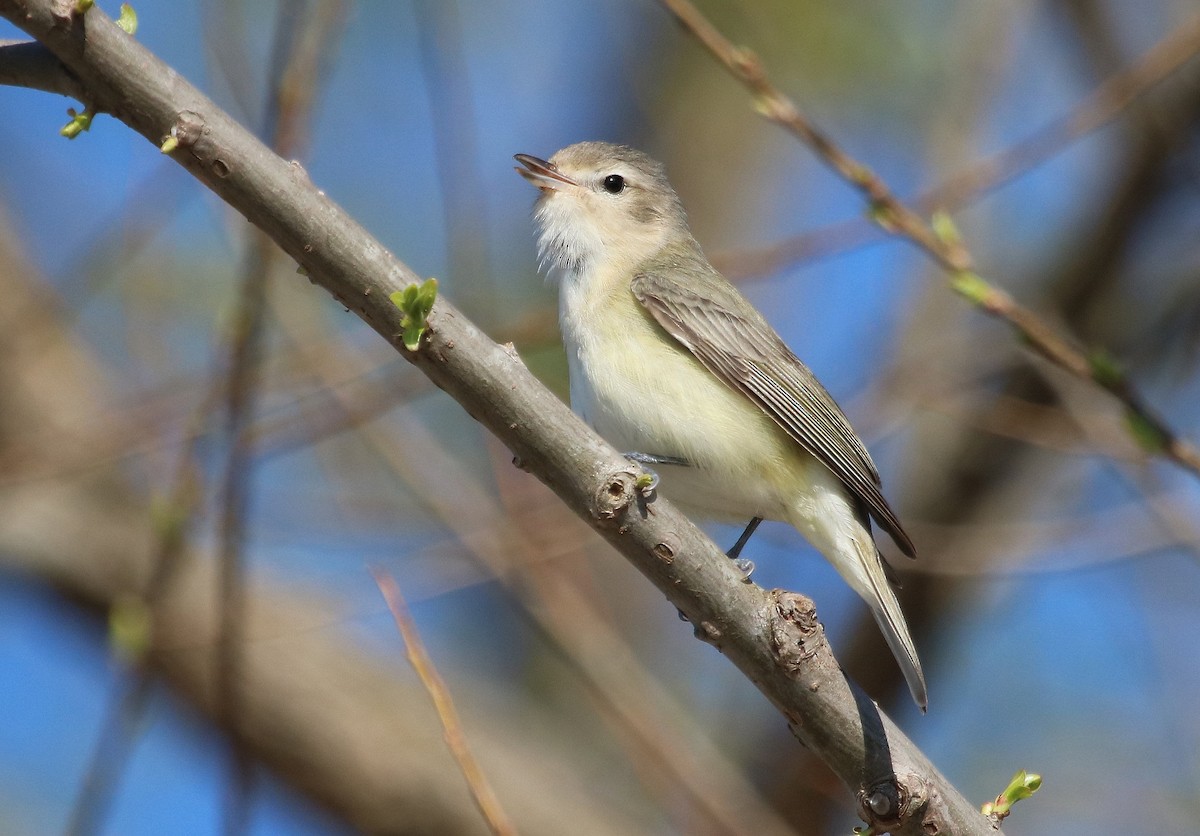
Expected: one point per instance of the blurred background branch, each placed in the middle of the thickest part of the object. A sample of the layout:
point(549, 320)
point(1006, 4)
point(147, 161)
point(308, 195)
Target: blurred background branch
point(1105, 102)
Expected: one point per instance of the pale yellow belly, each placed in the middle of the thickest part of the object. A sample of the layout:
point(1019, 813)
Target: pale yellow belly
point(644, 392)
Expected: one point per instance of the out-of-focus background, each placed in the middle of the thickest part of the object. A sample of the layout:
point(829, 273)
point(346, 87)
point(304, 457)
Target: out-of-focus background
point(1056, 599)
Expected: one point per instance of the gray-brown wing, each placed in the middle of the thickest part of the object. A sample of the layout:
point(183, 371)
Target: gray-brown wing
point(745, 352)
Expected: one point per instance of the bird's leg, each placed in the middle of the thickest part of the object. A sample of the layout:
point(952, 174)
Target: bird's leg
point(735, 552)
point(649, 458)
point(746, 567)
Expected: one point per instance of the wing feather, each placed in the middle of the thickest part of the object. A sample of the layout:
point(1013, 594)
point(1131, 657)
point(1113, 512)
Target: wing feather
point(735, 343)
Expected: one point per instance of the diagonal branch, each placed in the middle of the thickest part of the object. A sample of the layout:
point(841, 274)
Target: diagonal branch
point(452, 730)
point(1107, 101)
point(944, 246)
point(773, 637)
point(25, 64)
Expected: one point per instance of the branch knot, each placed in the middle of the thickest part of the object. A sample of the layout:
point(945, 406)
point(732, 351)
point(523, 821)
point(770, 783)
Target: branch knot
point(891, 802)
point(796, 633)
point(616, 493)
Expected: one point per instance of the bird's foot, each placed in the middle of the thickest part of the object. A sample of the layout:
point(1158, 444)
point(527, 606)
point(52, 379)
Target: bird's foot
point(746, 567)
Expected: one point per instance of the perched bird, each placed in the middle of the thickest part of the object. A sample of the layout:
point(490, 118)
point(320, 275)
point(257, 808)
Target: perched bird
point(669, 361)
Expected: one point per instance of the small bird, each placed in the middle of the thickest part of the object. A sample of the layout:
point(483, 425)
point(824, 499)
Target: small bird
point(669, 361)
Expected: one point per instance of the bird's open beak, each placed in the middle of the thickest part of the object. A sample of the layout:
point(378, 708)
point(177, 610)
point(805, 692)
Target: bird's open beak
point(545, 175)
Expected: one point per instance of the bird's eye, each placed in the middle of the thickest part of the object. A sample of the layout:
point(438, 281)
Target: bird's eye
point(614, 184)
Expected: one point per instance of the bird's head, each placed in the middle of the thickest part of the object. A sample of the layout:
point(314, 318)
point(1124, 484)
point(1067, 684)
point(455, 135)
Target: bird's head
point(601, 202)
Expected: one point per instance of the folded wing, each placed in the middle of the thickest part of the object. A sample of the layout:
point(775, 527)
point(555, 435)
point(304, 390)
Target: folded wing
point(736, 344)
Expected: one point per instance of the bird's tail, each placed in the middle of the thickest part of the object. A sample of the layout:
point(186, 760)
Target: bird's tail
point(881, 598)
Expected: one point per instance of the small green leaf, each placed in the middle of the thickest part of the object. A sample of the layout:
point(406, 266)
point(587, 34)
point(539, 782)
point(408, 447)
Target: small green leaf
point(167, 518)
point(415, 303)
point(129, 627)
point(427, 295)
point(861, 175)
point(972, 286)
point(1148, 435)
point(1027, 786)
point(169, 144)
point(82, 6)
point(80, 122)
point(128, 19)
point(945, 228)
point(1023, 785)
point(882, 214)
point(1106, 369)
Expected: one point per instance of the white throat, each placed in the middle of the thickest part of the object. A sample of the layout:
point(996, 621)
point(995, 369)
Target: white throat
point(565, 243)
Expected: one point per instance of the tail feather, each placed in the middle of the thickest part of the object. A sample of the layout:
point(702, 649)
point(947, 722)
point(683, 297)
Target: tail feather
point(895, 631)
point(837, 524)
point(890, 618)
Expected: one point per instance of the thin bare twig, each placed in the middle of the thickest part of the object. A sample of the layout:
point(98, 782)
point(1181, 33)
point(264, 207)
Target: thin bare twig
point(890, 213)
point(1104, 103)
point(298, 57)
point(452, 120)
point(22, 64)
point(414, 648)
point(115, 742)
point(233, 507)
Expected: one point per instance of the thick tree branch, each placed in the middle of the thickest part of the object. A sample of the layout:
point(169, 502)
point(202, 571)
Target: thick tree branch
point(773, 637)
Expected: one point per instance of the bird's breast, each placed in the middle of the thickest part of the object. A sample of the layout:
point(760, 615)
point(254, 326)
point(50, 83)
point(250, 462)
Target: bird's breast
point(645, 392)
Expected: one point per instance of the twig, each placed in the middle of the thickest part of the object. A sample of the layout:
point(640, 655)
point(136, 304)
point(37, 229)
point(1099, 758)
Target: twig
point(1106, 102)
point(297, 59)
point(946, 249)
point(23, 64)
point(117, 736)
point(233, 509)
point(455, 129)
point(414, 648)
point(172, 527)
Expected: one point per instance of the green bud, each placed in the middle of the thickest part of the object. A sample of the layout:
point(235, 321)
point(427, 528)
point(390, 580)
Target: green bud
point(972, 287)
point(1023, 785)
point(1106, 369)
point(129, 627)
point(128, 19)
point(415, 303)
point(945, 228)
point(79, 123)
point(1148, 435)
